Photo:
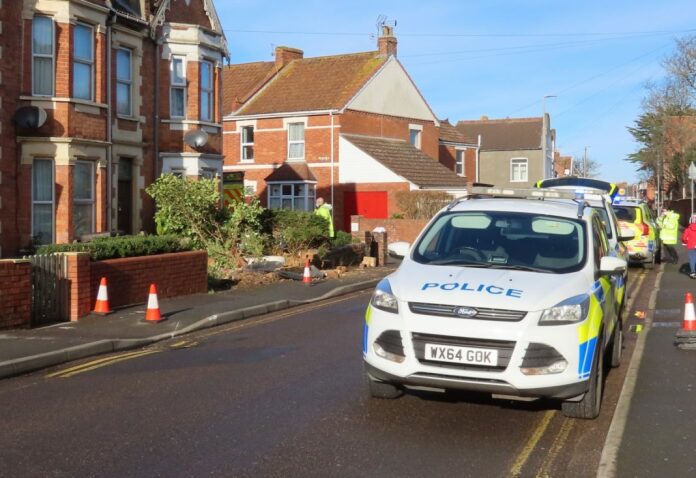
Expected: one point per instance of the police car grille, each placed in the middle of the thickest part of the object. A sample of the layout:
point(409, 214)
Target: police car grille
point(504, 348)
point(482, 313)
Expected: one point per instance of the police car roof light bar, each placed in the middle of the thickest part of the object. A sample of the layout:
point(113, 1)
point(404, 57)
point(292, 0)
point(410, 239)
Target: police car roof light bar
point(523, 193)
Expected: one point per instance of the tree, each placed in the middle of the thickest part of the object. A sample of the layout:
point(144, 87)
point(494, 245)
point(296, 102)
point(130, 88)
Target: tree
point(587, 169)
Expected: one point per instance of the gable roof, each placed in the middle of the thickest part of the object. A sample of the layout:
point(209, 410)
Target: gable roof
point(507, 134)
point(407, 161)
point(308, 84)
point(450, 134)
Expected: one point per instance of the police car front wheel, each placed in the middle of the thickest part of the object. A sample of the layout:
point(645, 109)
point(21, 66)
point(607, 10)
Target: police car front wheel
point(591, 403)
point(384, 390)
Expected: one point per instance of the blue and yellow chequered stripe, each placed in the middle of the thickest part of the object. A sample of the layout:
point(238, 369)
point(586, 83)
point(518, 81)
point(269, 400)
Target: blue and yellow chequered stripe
point(366, 327)
point(588, 331)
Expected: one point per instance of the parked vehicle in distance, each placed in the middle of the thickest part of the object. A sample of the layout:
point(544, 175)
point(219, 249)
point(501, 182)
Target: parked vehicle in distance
point(517, 296)
point(645, 247)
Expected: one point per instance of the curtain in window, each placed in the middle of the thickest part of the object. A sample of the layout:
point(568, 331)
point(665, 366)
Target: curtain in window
point(42, 44)
point(296, 138)
point(42, 181)
point(123, 99)
point(177, 102)
point(205, 106)
point(178, 77)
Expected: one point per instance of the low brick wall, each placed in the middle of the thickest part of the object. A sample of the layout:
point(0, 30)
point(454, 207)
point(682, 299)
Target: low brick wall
point(175, 274)
point(15, 294)
point(397, 229)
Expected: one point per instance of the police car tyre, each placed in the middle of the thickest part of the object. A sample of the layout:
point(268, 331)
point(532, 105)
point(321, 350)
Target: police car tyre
point(383, 390)
point(617, 345)
point(589, 406)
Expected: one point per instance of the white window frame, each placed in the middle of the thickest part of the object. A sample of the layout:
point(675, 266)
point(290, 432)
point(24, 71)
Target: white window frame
point(244, 144)
point(84, 61)
point(419, 135)
point(92, 200)
point(177, 86)
point(519, 161)
point(128, 82)
point(306, 205)
point(302, 142)
point(52, 202)
point(460, 154)
point(52, 56)
point(207, 90)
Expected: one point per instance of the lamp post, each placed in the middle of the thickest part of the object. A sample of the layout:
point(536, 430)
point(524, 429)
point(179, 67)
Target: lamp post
point(543, 102)
point(545, 126)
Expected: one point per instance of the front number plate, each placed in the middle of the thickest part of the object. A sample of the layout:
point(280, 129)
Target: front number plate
point(453, 354)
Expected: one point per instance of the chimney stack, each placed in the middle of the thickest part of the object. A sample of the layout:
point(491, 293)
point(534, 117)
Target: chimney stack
point(285, 54)
point(386, 43)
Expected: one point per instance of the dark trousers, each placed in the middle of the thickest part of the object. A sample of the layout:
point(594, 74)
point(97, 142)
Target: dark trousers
point(671, 252)
point(692, 260)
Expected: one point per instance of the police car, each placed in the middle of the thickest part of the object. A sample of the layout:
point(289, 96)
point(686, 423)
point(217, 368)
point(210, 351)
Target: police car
point(513, 296)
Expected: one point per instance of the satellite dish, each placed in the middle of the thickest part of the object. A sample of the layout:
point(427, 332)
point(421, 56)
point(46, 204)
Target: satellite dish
point(31, 117)
point(196, 139)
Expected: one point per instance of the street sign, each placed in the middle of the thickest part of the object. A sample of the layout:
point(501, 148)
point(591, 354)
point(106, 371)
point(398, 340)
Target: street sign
point(692, 171)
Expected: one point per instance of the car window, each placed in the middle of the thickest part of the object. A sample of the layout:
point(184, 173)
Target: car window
point(504, 239)
point(604, 218)
point(625, 213)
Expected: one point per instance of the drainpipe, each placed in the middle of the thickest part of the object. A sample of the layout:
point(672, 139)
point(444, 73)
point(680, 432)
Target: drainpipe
point(478, 152)
point(155, 116)
point(332, 166)
point(109, 127)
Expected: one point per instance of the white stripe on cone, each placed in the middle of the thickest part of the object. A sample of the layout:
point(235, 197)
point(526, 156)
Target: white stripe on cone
point(152, 301)
point(102, 294)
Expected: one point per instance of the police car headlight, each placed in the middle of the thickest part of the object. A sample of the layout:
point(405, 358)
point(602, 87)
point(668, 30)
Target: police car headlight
point(384, 299)
point(567, 312)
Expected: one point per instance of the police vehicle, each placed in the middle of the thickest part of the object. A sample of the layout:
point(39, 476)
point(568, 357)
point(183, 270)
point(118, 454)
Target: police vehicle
point(503, 294)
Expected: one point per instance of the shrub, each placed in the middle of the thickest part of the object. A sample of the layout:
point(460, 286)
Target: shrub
point(122, 246)
point(421, 204)
point(298, 230)
point(343, 238)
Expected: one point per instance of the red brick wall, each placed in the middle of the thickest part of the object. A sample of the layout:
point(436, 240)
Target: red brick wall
point(129, 279)
point(15, 294)
point(182, 13)
point(448, 158)
point(10, 65)
point(397, 229)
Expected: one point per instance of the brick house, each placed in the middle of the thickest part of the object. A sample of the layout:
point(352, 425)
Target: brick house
point(562, 165)
point(98, 100)
point(459, 152)
point(352, 128)
point(514, 152)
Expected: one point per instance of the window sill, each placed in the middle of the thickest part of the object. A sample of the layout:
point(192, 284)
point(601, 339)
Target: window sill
point(128, 118)
point(195, 122)
point(58, 99)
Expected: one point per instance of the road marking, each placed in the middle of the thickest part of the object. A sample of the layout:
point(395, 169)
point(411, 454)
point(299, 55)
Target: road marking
point(278, 316)
point(558, 443)
point(95, 364)
point(610, 453)
point(526, 452)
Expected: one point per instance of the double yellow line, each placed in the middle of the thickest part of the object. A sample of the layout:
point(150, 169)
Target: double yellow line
point(95, 364)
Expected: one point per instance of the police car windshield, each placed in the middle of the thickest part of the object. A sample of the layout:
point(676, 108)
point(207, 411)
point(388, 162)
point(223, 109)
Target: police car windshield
point(505, 240)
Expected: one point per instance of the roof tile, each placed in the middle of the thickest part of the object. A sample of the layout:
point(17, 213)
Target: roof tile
point(504, 134)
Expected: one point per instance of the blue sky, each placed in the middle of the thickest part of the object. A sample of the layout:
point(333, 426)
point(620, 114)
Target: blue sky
point(496, 58)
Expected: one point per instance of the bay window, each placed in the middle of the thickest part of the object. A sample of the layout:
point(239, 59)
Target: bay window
point(83, 62)
point(298, 195)
point(42, 198)
point(206, 91)
point(42, 50)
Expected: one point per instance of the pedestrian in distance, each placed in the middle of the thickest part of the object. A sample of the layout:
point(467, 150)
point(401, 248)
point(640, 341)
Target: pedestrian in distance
point(689, 240)
point(324, 210)
point(668, 222)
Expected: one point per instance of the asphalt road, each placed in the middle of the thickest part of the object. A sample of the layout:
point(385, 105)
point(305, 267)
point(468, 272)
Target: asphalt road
point(282, 395)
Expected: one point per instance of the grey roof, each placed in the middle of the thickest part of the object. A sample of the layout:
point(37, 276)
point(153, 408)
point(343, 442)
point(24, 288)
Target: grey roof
point(407, 161)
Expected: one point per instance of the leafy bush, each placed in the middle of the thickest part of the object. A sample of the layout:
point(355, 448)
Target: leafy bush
point(193, 209)
point(421, 204)
point(122, 246)
point(298, 230)
point(343, 238)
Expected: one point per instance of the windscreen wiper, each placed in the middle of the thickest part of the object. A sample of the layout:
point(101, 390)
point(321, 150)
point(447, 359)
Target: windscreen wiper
point(458, 262)
point(518, 267)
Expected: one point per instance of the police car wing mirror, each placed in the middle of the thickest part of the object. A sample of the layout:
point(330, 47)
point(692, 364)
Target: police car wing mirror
point(626, 234)
point(399, 249)
point(610, 265)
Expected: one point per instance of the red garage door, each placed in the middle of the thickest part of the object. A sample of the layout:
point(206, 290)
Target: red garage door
point(369, 204)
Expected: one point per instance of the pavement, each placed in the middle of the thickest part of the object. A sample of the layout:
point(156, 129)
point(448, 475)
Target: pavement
point(28, 350)
point(653, 432)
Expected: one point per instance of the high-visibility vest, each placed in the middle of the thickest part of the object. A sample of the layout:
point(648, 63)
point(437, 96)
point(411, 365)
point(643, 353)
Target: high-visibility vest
point(669, 225)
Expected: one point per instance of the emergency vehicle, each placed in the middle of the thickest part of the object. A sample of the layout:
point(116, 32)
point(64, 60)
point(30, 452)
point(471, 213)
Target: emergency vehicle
point(509, 292)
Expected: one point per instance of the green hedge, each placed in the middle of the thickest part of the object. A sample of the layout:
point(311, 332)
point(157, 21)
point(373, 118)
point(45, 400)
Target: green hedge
point(122, 246)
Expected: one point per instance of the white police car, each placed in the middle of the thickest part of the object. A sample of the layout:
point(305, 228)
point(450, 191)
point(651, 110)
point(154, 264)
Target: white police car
point(511, 296)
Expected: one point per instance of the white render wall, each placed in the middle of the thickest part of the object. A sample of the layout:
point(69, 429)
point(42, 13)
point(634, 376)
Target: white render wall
point(391, 92)
point(357, 167)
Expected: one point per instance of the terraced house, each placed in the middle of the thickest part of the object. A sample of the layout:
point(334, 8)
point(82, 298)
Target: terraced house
point(98, 99)
point(351, 128)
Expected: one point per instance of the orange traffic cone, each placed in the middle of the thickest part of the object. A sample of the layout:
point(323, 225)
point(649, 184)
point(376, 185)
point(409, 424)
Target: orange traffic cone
point(153, 311)
point(307, 276)
point(689, 322)
point(102, 304)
